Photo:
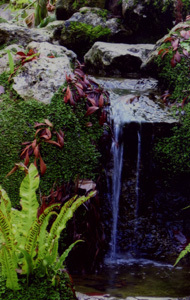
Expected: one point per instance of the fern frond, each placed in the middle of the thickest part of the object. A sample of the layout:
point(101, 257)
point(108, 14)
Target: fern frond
point(66, 214)
point(5, 203)
point(28, 200)
point(10, 269)
point(37, 228)
point(64, 255)
point(182, 254)
point(5, 228)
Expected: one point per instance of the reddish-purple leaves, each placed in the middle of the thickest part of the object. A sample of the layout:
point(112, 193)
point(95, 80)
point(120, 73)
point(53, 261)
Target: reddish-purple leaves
point(91, 110)
point(185, 34)
point(2, 90)
point(44, 133)
point(83, 89)
point(175, 59)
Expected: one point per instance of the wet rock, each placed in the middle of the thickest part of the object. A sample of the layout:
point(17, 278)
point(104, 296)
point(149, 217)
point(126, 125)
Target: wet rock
point(87, 26)
point(148, 19)
point(65, 9)
point(116, 59)
point(11, 33)
point(41, 78)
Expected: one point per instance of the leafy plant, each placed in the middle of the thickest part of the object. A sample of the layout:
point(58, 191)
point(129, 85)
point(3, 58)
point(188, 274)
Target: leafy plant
point(28, 245)
point(83, 89)
point(44, 133)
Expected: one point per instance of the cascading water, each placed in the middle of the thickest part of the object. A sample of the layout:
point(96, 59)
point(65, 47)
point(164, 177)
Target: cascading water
point(117, 152)
point(137, 187)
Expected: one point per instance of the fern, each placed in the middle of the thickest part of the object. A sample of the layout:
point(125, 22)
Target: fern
point(64, 255)
point(182, 254)
point(24, 239)
point(9, 266)
point(29, 201)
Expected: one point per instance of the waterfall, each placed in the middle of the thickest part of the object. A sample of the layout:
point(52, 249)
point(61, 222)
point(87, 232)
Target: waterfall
point(137, 187)
point(117, 152)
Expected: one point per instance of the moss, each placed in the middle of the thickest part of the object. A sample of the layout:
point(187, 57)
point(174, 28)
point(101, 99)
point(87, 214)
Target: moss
point(40, 288)
point(80, 36)
point(79, 156)
point(173, 152)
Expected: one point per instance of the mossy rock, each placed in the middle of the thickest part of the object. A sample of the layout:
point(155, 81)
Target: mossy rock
point(79, 157)
point(79, 36)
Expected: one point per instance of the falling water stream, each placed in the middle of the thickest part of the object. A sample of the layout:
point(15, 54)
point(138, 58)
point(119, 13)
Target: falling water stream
point(125, 275)
point(117, 152)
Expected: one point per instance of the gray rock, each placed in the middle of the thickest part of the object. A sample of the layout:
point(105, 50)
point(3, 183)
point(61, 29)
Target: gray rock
point(41, 78)
point(11, 33)
point(4, 61)
point(116, 59)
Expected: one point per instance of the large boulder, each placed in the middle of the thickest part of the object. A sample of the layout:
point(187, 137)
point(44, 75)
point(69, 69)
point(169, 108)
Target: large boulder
point(151, 19)
point(65, 8)
point(11, 33)
point(40, 78)
point(116, 59)
point(87, 26)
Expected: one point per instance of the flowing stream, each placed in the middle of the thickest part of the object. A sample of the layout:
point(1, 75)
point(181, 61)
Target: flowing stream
point(123, 274)
point(117, 152)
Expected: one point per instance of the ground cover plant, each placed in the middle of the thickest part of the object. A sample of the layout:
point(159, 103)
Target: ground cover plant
point(174, 73)
point(29, 238)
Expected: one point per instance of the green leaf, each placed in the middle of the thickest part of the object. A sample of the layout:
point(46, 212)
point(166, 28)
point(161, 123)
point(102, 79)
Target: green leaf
point(65, 254)
point(11, 61)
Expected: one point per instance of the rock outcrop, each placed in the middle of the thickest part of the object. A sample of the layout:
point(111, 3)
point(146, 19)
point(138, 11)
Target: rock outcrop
point(116, 59)
point(41, 78)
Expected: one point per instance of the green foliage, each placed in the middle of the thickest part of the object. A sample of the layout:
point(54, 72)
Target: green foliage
point(11, 61)
point(173, 152)
point(39, 288)
point(28, 245)
point(182, 254)
point(88, 32)
point(79, 37)
point(79, 3)
point(79, 156)
point(40, 12)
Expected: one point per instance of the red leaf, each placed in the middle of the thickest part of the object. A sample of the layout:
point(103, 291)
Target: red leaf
point(22, 155)
point(69, 96)
point(46, 134)
point(165, 52)
point(103, 118)
point(91, 110)
point(12, 171)
point(42, 166)
point(39, 124)
point(168, 39)
point(26, 161)
point(173, 62)
point(38, 130)
point(60, 137)
point(101, 101)
point(177, 56)
point(160, 51)
point(21, 53)
point(185, 34)
point(79, 72)
point(48, 123)
point(54, 143)
point(2, 90)
point(175, 44)
point(30, 52)
point(91, 100)
point(34, 143)
point(36, 151)
point(185, 52)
